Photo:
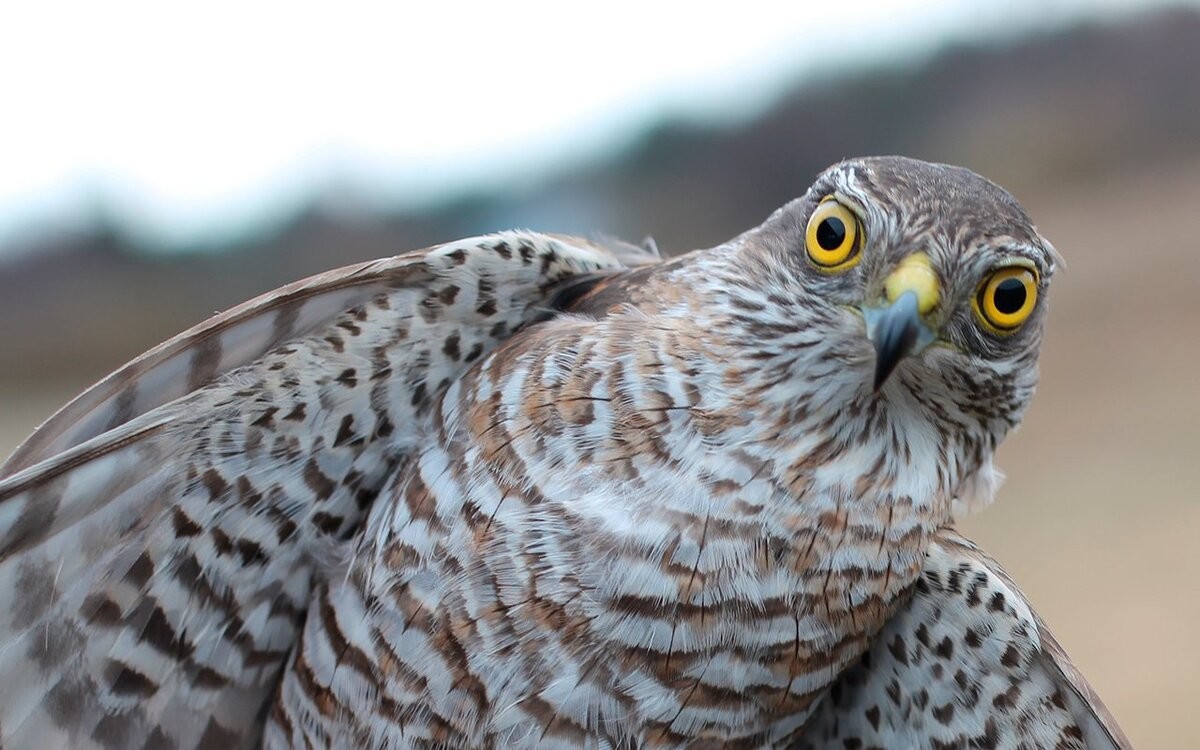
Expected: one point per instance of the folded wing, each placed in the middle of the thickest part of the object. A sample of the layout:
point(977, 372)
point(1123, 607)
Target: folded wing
point(966, 664)
point(159, 536)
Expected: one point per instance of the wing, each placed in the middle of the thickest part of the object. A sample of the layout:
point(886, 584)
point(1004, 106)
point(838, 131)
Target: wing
point(246, 332)
point(966, 664)
point(158, 536)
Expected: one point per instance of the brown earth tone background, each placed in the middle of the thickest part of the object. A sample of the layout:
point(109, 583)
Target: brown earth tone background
point(1096, 130)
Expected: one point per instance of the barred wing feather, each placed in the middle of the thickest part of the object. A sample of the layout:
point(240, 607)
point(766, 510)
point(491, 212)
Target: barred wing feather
point(967, 663)
point(160, 535)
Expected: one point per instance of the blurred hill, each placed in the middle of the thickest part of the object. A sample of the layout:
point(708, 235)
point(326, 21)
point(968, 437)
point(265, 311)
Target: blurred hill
point(1049, 111)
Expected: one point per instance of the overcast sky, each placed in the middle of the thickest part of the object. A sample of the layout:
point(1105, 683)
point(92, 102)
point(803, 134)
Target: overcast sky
point(200, 118)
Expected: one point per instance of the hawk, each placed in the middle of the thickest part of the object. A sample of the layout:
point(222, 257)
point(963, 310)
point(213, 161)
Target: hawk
point(530, 490)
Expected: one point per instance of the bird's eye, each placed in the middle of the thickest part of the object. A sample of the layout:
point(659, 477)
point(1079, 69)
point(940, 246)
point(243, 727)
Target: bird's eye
point(1006, 298)
point(833, 237)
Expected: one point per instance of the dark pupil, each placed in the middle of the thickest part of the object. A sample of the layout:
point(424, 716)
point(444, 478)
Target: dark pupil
point(1009, 296)
point(831, 233)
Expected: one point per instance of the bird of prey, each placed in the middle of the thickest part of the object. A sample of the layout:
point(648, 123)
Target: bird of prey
point(529, 490)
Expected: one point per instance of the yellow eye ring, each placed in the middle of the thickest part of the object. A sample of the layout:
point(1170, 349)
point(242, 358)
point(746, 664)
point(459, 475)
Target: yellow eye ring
point(1006, 299)
point(833, 237)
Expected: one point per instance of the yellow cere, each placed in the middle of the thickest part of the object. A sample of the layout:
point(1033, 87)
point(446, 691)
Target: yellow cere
point(833, 237)
point(1006, 298)
point(914, 274)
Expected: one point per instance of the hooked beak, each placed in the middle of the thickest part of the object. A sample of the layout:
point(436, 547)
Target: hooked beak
point(897, 328)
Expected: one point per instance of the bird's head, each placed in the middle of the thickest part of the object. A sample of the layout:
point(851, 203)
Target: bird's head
point(928, 281)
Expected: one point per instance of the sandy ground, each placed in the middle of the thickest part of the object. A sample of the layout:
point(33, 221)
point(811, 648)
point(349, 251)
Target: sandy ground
point(1099, 518)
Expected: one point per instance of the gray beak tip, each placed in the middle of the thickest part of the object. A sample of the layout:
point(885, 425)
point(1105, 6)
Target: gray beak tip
point(896, 331)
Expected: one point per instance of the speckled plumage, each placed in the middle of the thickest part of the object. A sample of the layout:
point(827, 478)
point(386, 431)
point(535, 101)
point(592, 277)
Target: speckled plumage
point(534, 491)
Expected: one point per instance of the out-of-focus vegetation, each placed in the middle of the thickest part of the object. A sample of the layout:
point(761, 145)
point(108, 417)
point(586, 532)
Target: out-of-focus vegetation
point(1096, 130)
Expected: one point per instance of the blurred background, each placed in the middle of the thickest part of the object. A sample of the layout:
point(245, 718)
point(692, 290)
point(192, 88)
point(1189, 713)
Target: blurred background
point(159, 164)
